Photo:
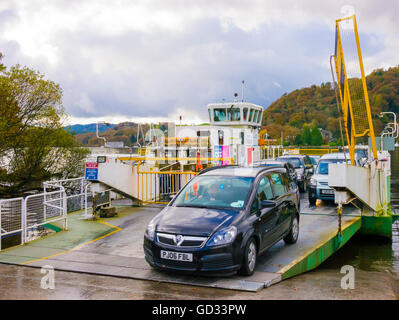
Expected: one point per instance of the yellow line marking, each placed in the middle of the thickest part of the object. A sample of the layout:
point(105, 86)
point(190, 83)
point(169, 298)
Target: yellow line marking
point(117, 229)
point(297, 260)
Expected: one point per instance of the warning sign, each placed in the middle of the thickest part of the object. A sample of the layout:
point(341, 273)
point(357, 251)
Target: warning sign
point(91, 171)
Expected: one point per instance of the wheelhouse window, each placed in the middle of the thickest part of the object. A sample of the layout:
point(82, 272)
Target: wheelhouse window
point(210, 114)
point(233, 114)
point(245, 114)
point(256, 115)
point(259, 116)
point(251, 113)
point(219, 115)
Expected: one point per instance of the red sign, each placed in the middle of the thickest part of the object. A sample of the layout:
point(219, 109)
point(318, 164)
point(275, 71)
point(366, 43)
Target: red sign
point(91, 165)
point(195, 188)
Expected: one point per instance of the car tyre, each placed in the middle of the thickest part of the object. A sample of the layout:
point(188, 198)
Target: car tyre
point(292, 236)
point(249, 260)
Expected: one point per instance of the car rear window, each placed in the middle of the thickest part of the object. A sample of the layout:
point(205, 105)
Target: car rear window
point(296, 162)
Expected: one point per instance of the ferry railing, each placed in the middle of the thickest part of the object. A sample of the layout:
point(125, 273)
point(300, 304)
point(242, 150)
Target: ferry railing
point(158, 187)
point(310, 151)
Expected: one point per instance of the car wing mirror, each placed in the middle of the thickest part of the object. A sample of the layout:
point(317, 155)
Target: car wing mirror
point(267, 204)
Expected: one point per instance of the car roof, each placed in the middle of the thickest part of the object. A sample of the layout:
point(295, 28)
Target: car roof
point(337, 155)
point(288, 156)
point(270, 161)
point(292, 155)
point(238, 171)
point(275, 163)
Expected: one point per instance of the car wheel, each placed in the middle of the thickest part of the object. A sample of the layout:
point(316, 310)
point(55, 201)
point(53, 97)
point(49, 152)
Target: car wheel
point(292, 236)
point(250, 255)
point(312, 200)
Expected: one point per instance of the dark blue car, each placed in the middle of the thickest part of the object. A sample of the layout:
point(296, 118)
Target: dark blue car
point(222, 220)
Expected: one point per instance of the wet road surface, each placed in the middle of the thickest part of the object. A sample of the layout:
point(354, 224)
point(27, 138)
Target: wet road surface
point(18, 282)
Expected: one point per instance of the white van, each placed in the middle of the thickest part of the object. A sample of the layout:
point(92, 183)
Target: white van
point(318, 184)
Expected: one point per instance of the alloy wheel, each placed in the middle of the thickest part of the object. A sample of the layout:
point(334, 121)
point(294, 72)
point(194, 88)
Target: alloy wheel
point(251, 256)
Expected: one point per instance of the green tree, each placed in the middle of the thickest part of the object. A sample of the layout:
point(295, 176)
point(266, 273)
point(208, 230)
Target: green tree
point(298, 140)
point(316, 137)
point(306, 135)
point(34, 147)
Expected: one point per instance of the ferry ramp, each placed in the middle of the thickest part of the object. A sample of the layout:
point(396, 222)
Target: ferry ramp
point(113, 247)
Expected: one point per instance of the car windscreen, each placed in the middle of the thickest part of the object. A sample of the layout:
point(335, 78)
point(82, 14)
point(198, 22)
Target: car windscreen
point(215, 192)
point(322, 168)
point(314, 160)
point(296, 162)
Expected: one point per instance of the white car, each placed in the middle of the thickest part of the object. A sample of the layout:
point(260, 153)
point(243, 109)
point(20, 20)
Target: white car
point(318, 184)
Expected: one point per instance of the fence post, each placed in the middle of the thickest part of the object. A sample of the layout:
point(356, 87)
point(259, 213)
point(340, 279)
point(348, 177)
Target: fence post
point(0, 224)
point(44, 202)
point(81, 193)
point(23, 221)
point(64, 205)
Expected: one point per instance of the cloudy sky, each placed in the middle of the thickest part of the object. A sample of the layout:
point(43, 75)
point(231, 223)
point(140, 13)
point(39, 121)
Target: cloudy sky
point(157, 59)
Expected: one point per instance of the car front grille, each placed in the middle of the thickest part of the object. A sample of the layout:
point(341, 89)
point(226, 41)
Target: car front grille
point(181, 240)
point(176, 264)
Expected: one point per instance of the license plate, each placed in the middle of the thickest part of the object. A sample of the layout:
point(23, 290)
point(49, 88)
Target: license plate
point(178, 256)
point(326, 191)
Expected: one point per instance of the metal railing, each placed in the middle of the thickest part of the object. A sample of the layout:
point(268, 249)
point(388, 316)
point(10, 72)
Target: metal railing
point(310, 151)
point(23, 218)
point(26, 219)
point(159, 187)
point(42, 209)
point(74, 189)
point(12, 218)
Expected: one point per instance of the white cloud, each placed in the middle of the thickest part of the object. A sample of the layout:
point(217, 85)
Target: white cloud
point(157, 59)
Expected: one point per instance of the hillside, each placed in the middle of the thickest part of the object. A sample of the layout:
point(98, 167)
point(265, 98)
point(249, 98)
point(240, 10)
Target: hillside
point(317, 105)
point(85, 128)
point(125, 131)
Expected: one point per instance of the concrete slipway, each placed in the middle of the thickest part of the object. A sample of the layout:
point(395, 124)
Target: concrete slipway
point(113, 247)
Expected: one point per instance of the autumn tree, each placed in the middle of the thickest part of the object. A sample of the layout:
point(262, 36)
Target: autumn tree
point(34, 147)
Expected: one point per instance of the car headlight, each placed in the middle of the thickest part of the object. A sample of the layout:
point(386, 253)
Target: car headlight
point(223, 236)
point(313, 182)
point(150, 232)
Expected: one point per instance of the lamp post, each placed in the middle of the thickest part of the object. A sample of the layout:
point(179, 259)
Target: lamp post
point(105, 140)
point(395, 129)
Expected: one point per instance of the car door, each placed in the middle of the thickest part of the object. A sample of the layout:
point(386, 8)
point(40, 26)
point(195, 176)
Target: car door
point(283, 203)
point(266, 217)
